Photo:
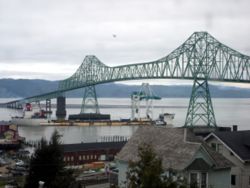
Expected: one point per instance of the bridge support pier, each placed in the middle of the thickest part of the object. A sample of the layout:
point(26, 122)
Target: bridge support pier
point(60, 107)
point(14, 105)
point(48, 107)
point(19, 106)
point(200, 110)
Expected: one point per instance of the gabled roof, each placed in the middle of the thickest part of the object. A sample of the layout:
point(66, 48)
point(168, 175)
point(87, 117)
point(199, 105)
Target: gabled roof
point(219, 160)
point(176, 146)
point(199, 164)
point(236, 141)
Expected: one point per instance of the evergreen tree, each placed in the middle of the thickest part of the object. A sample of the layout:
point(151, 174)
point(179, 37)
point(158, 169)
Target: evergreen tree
point(47, 165)
point(147, 172)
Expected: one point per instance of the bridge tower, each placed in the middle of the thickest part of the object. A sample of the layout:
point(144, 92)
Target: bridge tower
point(89, 102)
point(200, 110)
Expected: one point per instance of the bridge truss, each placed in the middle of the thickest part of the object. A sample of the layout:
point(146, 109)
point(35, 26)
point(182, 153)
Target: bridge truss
point(201, 58)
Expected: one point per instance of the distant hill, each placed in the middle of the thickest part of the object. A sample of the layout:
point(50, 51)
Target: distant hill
point(10, 88)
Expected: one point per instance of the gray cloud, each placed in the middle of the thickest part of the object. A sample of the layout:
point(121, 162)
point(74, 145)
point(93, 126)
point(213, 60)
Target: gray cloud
point(63, 32)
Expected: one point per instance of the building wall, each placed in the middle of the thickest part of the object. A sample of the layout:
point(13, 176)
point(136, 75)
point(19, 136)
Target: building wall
point(241, 169)
point(219, 179)
point(82, 157)
point(215, 178)
point(122, 166)
point(4, 128)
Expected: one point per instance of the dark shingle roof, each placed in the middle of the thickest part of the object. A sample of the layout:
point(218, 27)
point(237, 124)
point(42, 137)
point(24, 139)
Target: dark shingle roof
point(170, 144)
point(219, 160)
point(92, 146)
point(238, 141)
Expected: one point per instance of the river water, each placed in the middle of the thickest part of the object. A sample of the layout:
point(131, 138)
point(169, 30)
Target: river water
point(228, 112)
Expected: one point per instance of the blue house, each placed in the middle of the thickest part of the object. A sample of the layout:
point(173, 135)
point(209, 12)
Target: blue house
point(182, 152)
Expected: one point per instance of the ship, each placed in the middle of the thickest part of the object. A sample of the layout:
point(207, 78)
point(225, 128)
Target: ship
point(165, 119)
point(32, 116)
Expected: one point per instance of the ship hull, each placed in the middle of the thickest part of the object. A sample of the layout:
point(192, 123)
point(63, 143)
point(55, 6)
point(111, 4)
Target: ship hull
point(29, 121)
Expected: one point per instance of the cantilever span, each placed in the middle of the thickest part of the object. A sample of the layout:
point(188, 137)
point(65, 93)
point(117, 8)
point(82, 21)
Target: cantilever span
point(201, 56)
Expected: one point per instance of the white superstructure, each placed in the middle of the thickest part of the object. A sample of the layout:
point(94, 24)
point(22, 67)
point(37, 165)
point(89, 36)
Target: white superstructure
point(165, 119)
point(32, 116)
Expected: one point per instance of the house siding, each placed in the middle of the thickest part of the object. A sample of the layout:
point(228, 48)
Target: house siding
point(219, 179)
point(241, 169)
point(123, 167)
point(216, 178)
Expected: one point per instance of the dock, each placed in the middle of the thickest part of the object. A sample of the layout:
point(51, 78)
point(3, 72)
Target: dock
point(97, 123)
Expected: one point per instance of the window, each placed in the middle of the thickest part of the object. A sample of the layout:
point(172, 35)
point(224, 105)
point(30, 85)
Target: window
point(72, 158)
point(193, 180)
point(216, 147)
point(203, 180)
point(198, 180)
point(213, 146)
point(219, 148)
point(80, 157)
point(233, 179)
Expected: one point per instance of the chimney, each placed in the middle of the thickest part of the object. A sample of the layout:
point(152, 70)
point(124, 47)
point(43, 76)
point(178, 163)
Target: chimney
point(235, 128)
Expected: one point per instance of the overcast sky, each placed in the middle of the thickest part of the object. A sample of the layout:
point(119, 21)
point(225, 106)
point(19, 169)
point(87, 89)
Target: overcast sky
point(48, 39)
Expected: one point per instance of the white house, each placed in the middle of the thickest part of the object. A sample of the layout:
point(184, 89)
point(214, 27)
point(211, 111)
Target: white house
point(235, 146)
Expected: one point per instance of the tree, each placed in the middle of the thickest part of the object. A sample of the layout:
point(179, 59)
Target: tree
point(147, 172)
point(47, 165)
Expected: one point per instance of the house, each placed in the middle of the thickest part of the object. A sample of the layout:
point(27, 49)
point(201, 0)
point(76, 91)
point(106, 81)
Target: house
point(235, 146)
point(180, 151)
point(77, 154)
point(9, 137)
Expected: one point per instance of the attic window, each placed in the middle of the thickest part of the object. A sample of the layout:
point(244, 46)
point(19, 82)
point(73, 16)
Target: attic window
point(213, 146)
point(219, 148)
point(216, 147)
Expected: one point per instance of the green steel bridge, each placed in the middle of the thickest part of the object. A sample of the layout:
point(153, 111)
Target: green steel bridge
point(201, 58)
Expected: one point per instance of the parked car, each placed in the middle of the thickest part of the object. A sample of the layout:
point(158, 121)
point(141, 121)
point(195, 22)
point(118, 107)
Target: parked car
point(19, 163)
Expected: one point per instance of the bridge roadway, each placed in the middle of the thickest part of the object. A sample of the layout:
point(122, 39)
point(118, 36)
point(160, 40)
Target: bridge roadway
point(200, 57)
